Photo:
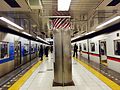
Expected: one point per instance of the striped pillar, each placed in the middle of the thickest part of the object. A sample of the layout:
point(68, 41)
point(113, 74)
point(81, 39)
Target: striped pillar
point(60, 23)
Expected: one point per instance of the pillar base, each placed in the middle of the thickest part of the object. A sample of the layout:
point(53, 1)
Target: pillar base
point(65, 84)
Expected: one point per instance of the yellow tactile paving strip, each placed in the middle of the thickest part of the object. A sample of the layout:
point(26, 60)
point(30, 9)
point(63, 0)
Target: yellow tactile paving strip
point(21, 81)
point(106, 80)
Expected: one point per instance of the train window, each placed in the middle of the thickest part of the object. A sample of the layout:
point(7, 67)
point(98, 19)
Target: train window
point(35, 47)
point(92, 47)
point(84, 46)
point(4, 50)
point(26, 49)
point(32, 48)
point(117, 34)
point(117, 47)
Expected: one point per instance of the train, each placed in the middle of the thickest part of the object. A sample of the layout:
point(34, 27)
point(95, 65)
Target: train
point(16, 51)
point(103, 48)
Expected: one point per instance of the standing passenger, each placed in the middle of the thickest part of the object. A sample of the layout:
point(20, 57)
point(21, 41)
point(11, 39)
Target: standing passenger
point(41, 52)
point(51, 49)
point(46, 51)
point(75, 50)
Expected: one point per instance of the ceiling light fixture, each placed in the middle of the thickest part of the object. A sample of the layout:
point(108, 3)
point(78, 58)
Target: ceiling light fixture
point(26, 33)
point(89, 32)
point(57, 16)
point(108, 22)
point(75, 38)
point(11, 23)
point(63, 5)
point(42, 39)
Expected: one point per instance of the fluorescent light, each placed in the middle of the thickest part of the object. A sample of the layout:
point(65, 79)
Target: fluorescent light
point(26, 33)
point(63, 5)
point(82, 35)
point(42, 39)
point(89, 32)
point(57, 16)
point(75, 37)
point(108, 22)
point(39, 38)
point(13, 28)
point(11, 23)
point(49, 39)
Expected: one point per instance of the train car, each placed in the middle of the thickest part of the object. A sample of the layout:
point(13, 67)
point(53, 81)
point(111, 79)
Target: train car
point(15, 51)
point(102, 49)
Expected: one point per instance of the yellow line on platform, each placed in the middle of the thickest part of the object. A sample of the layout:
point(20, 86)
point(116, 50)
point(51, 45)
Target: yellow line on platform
point(21, 81)
point(103, 78)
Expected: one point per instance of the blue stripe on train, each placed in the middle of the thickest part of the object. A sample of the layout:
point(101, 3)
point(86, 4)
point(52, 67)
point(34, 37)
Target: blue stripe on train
point(11, 54)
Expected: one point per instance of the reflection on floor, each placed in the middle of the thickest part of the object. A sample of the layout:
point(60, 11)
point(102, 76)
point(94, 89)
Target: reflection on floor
point(42, 78)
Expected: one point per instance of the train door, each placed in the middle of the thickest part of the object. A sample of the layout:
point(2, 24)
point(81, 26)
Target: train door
point(17, 61)
point(103, 52)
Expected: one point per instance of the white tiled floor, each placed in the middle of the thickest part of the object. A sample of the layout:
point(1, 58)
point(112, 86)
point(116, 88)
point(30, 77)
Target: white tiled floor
point(42, 79)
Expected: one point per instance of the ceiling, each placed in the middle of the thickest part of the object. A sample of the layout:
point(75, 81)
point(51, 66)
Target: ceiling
point(77, 7)
point(5, 7)
point(37, 17)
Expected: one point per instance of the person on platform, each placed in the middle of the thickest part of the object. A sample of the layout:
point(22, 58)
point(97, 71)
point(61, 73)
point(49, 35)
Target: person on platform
point(75, 50)
point(51, 49)
point(41, 52)
point(46, 51)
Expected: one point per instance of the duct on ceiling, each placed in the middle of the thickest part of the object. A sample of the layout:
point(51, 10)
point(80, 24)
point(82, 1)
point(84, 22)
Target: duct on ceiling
point(35, 4)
